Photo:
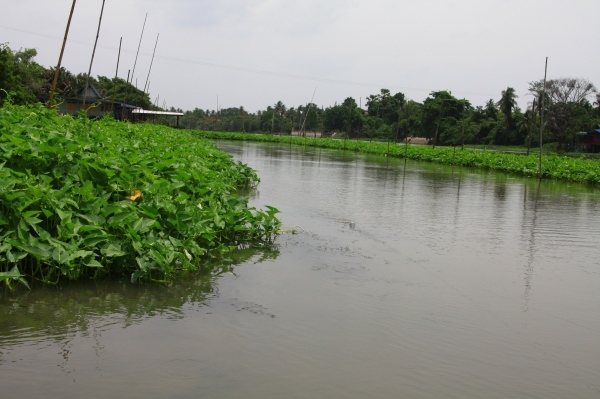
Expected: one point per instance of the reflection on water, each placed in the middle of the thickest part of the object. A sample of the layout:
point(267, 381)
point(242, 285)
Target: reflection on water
point(86, 309)
point(405, 280)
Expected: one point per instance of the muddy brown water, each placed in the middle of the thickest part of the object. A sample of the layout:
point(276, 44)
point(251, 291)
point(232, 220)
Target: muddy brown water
point(403, 281)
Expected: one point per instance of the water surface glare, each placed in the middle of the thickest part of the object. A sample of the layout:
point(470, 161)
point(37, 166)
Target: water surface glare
point(404, 281)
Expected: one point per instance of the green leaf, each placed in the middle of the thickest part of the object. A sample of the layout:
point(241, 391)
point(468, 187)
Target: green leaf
point(87, 228)
point(142, 225)
point(61, 255)
point(219, 222)
point(80, 254)
point(63, 215)
point(3, 219)
point(144, 264)
point(112, 251)
point(92, 263)
point(95, 220)
point(119, 217)
point(93, 240)
point(17, 256)
point(149, 211)
point(37, 250)
point(15, 274)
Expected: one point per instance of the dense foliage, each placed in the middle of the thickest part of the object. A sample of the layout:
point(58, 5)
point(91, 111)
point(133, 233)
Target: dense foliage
point(30, 82)
point(82, 199)
point(553, 166)
point(570, 105)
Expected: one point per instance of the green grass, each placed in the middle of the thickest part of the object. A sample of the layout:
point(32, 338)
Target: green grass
point(82, 199)
point(586, 171)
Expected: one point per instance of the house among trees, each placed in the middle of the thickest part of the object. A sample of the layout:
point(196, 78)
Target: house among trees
point(95, 105)
point(590, 140)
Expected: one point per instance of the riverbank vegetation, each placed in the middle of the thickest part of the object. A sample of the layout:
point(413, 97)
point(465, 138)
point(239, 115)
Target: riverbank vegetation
point(84, 199)
point(553, 166)
point(569, 105)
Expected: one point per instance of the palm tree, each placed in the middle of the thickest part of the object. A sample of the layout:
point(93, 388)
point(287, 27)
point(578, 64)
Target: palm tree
point(507, 104)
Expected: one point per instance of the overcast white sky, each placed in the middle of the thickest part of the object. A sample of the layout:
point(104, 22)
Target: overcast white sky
point(253, 53)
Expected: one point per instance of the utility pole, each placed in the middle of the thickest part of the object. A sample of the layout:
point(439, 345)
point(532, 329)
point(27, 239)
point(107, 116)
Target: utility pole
point(62, 50)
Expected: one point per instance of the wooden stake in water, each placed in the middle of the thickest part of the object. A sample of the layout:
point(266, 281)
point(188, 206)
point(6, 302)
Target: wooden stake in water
point(542, 115)
point(462, 138)
point(272, 121)
point(531, 124)
point(348, 124)
point(306, 116)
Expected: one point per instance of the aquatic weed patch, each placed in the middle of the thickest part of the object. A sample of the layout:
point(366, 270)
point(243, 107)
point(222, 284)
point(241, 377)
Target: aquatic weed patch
point(586, 171)
point(83, 199)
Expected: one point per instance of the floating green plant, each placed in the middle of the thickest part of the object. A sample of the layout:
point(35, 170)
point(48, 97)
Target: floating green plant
point(82, 199)
point(557, 167)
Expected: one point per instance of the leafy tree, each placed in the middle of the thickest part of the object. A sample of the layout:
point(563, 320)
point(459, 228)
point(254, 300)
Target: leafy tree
point(334, 118)
point(67, 84)
point(410, 122)
point(121, 90)
point(566, 107)
point(343, 118)
point(385, 106)
point(20, 74)
point(313, 117)
point(565, 90)
point(440, 115)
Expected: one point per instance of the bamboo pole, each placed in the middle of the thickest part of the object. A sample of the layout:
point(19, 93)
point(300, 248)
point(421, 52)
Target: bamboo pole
point(87, 81)
point(126, 96)
point(112, 101)
point(62, 51)
point(307, 109)
point(130, 79)
point(138, 50)
point(151, 62)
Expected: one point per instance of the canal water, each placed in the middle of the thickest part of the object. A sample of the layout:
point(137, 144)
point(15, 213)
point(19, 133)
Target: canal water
point(400, 280)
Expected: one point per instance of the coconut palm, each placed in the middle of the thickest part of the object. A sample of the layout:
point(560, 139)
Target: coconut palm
point(507, 105)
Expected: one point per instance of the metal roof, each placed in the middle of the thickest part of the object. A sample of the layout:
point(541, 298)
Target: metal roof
point(148, 112)
point(586, 133)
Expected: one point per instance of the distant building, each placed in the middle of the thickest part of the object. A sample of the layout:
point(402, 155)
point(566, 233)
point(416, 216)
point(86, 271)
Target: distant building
point(417, 140)
point(95, 105)
point(590, 140)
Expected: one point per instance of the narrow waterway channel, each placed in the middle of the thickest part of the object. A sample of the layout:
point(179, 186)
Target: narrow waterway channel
point(403, 281)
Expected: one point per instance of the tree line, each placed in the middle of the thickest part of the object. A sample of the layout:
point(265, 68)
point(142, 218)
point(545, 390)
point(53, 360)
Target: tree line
point(28, 81)
point(442, 118)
